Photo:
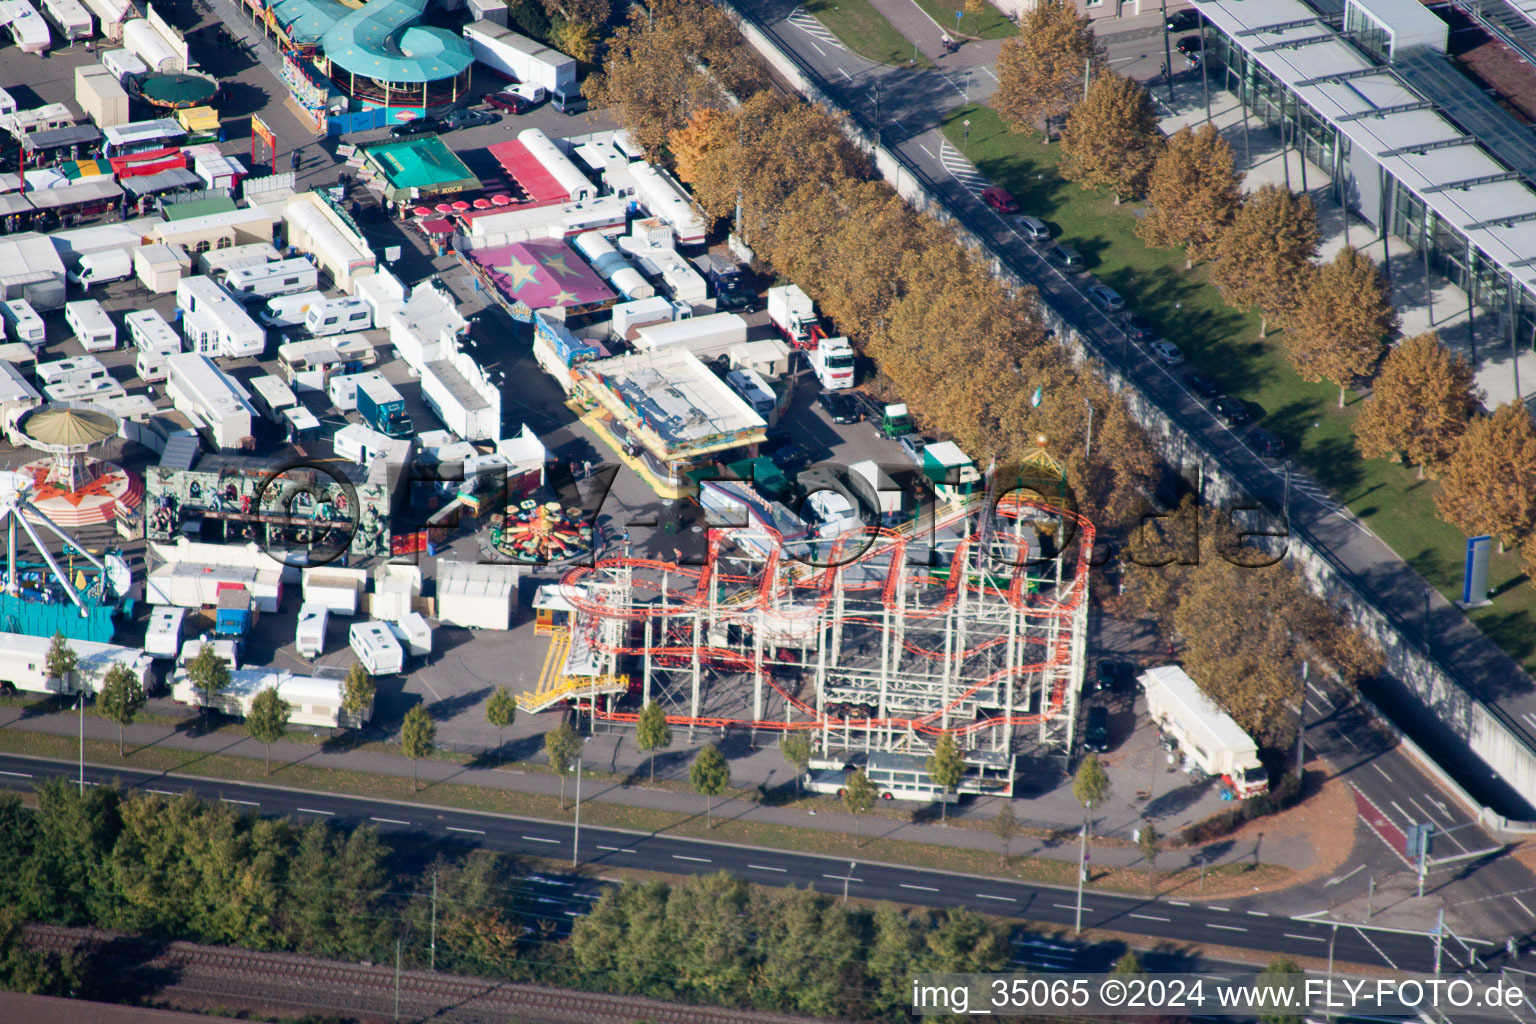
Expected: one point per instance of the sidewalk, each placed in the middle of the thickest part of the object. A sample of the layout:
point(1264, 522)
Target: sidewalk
point(1294, 851)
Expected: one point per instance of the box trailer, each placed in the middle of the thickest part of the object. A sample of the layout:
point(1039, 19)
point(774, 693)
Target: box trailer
point(150, 332)
point(334, 588)
point(1205, 733)
point(215, 403)
point(475, 595)
point(312, 700)
point(213, 323)
point(22, 322)
point(101, 96)
point(93, 328)
point(24, 660)
point(285, 277)
point(128, 408)
point(704, 336)
point(414, 634)
point(376, 647)
point(194, 585)
point(660, 194)
point(309, 634)
point(163, 637)
point(629, 317)
point(520, 59)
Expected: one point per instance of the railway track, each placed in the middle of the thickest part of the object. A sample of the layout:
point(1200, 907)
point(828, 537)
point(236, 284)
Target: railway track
point(187, 973)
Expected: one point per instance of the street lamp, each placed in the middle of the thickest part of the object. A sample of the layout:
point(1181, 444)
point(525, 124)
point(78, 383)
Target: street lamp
point(1082, 866)
point(848, 878)
point(965, 145)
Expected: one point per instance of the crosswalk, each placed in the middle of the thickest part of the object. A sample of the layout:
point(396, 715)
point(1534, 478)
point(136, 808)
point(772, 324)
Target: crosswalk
point(955, 162)
point(805, 22)
point(1301, 483)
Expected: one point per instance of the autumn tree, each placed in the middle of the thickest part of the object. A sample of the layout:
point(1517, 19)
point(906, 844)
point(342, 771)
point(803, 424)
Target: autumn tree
point(1005, 827)
point(501, 711)
point(674, 57)
point(1263, 258)
point(1419, 405)
point(1193, 192)
point(1343, 320)
point(796, 749)
point(1489, 484)
point(1040, 71)
point(61, 661)
point(859, 795)
point(208, 672)
point(652, 733)
point(946, 767)
point(1528, 556)
point(357, 692)
point(562, 746)
point(707, 128)
point(1090, 785)
point(709, 775)
point(578, 39)
point(1111, 138)
point(1146, 841)
point(121, 698)
point(268, 720)
point(418, 738)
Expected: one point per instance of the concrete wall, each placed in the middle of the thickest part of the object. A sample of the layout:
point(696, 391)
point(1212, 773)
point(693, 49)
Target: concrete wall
point(1468, 718)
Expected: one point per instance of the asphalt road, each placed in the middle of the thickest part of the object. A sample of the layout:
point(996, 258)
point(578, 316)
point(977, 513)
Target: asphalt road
point(1167, 920)
point(907, 103)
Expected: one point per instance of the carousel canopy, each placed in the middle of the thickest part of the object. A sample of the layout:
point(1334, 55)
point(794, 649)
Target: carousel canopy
point(177, 89)
point(70, 426)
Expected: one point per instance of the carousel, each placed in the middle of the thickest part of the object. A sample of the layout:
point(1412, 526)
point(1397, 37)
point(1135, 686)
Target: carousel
point(71, 487)
point(541, 532)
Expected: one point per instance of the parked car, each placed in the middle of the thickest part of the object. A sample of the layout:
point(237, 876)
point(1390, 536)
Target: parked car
point(912, 446)
point(1234, 410)
point(840, 408)
point(415, 126)
point(1096, 730)
point(1184, 21)
point(1117, 676)
point(1189, 46)
point(1105, 297)
point(468, 119)
point(1200, 385)
point(1266, 442)
point(1066, 257)
point(785, 453)
point(511, 102)
point(1000, 199)
point(1139, 328)
point(1034, 229)
point(1167, 353)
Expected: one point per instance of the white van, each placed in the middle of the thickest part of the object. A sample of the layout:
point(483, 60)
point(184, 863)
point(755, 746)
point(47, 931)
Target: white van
point(338, 316)
point(309, 637)
point(152, 366)
point(163, 639)
point(150, 332)
point(22, 322)
point(753, 390)
point(288, 310)
point(93, 328)
point(285, 277)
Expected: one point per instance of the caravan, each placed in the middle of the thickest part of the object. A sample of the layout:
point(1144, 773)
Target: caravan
point(150, 332)
point(22, 322)
point(309, 638)
point(272, 397)
point(285, 277)
point(79, 370)
point(163, 639)
point(150, 367)
point(338, 316)
point(93, 328)
point(376, 647)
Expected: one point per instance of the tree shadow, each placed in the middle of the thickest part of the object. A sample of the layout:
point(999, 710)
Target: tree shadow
point(1176, 801)
point(124, 968)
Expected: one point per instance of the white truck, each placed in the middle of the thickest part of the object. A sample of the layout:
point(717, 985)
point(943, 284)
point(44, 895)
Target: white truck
point(1205, 733)
point(794, 314)
point(23, 665)
point(832, 361)
point(103, 267)
point(704, 336)
point(521, 59)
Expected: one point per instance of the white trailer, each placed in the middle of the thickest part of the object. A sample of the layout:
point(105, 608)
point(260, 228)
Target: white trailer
point(1208, 735)
point(334, 588)
point(253, 254)
point(271, 397)
point(559, 166)
point(213, 323)
point(475, 595)
point(519, 58)
point(704, 336)
point(285, 277)
point(414, 633)
point(376, 647)
point(288, 310)
point(309, 635)
point(152, 366)
point(312, 700)
point(124, 64)
point(70, 17)
point(150, 332)
point(660, 193)
point(214, 401)
point(163, 638)
point(338, 316)
point(17, 398)
point(128, 408)
point(76, 370)
point(84, 390)
point(23, 665)
point(678, 279)
point(299, 424)
point(463, 395)
point(191, 585)
point(360, 443)
point(227, 651)
point(93, 328)
point(23, 323)
point(26, 26)
point(612, 265)
point(629, 317)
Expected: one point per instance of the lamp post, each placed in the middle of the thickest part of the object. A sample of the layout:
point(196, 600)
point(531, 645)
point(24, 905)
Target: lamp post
point(965, 143)
point(1088, 441)
point(1301, 721)
point(848, 878)
point(82, 741)
point(1082, 867)
point(576, 835)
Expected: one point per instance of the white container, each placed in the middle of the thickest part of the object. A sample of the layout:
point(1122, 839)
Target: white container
point(334, 587)
point(93, 328)
point(163, 638)
point(376, 647)
point(412, 631)
point(150, 332)
point(309, 636)
point(343, 392)
point(285, 277)
point(359, 443)
point(215, 402)
point(22, 322)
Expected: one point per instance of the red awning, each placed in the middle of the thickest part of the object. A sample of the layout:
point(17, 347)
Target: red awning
point(531, 176)
point(437, 226)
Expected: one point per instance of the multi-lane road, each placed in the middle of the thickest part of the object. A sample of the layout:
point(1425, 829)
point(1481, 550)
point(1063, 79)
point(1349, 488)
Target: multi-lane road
point(1173, 921)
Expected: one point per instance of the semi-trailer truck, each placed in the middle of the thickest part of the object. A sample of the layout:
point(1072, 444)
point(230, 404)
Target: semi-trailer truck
point(382, 408)
point(1205, 733)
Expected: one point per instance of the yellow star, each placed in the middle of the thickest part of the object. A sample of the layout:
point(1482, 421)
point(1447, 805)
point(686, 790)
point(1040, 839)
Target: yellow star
point(562, 298)
point(559, 266)
point(521, 273)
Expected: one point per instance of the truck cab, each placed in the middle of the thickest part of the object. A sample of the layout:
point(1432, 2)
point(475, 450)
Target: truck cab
point(894, 420)
point(725, 278)
point(833, 363)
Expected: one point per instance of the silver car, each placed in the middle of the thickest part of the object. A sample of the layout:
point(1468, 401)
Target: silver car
point(1105, 297)
point(1034, 229)
point(1166, 352)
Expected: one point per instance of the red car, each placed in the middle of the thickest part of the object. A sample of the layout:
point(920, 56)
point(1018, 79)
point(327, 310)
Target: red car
point(1000, 199)
point(511, 102)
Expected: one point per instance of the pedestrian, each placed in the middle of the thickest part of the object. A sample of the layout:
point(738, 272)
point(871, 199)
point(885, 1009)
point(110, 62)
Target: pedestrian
point(1162, 70)
point(677, 555)
point(295, 159)
point(586, 469)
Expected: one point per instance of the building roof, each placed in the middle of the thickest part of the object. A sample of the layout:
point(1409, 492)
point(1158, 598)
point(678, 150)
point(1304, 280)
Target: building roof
point(198, 207)
point(163, 181)
point(672, 395)
point(543, 272)
point(475, 579)
point(1382, 115)
point(379, 40)
point(425, 163)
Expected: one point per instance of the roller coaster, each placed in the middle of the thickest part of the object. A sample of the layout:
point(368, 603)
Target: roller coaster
point(970, 620)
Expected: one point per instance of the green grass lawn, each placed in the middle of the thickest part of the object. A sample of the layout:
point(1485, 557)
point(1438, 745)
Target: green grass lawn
point(992, 24)
point(1224, 344)
point(866, 31)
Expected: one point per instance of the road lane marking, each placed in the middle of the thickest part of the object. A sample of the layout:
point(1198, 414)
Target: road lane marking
point(613, 849)
point(1258, 913)
point(1177, 903)
point(699, 860)
point(248, 803)
point(1382, 772)
point(389, 821)
point(19, 775)
point(1359, 931)
point(1336, 879)
point(1067, 906)
point(765, 867)
point(1000, 899)
point(1149, 917)
point(531, 839)
point(1226, 927)
point(1522, 906)
point(919, 888)
point(1224, 910)
point(473, 831)
point(162, 792)
point(312, 810)
point(845, 74)
point(844, 878)
point(1306, 938)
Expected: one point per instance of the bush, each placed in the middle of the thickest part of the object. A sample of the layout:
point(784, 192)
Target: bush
point(1283, 794)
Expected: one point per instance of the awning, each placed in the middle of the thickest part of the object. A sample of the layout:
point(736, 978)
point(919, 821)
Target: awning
point(13, 203)
point(94, 190)
point(164, 181)
point(437, 226)
point(53, 138)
